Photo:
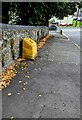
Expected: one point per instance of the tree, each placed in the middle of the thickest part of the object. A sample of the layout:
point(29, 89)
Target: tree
point(5, 10)
point(14, 12)
point(36, 13)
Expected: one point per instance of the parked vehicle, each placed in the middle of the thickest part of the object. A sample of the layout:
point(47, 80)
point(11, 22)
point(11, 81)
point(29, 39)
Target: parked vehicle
point(55, 28)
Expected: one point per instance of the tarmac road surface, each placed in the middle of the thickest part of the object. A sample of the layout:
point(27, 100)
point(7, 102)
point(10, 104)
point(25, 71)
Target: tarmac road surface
point(53, 85)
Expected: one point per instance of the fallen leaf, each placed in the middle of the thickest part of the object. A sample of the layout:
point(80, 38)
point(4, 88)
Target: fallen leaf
point(9, 94)
point(20, 81)
point(39, 68)
point(26, 83)
point(18, 93)
point(35, 69)
point(7, 75)
point(25, 68)
point(27, 76)
point(64, 104)
point(40, 95)
point(20, 59)
point(11, 117)
point(54, 91)
point(42, 42)
point(0, 89)
point(24, 88)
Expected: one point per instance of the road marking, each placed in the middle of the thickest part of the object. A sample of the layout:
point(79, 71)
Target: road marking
point(77, 46)
point(74, 43)
point(65, 35)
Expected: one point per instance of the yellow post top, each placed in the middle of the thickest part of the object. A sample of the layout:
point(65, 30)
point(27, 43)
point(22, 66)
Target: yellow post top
point(30, 41)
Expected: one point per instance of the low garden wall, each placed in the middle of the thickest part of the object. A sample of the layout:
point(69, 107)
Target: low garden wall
point(10, 41)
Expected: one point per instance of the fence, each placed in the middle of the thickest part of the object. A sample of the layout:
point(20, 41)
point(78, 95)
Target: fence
point(10, 41)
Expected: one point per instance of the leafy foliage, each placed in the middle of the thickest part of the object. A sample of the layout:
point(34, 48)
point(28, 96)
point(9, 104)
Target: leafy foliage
point(5, 9)
point(36, 13)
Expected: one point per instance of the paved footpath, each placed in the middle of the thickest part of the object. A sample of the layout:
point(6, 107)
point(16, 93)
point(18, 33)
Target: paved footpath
point(53, 84)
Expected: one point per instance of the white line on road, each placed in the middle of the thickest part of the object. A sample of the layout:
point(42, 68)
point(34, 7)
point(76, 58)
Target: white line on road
point(73, 43)
point(65, 35)
point(77, 46)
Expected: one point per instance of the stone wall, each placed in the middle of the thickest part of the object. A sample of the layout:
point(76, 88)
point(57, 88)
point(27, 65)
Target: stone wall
point(10, 41)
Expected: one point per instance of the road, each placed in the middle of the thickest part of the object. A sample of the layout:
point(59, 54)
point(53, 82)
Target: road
point(74, 34)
